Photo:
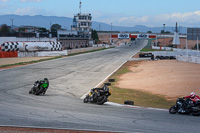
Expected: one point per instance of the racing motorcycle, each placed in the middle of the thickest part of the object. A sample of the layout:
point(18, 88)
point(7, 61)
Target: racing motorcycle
point(185, 107)
point(39, 87)
point(98, 95)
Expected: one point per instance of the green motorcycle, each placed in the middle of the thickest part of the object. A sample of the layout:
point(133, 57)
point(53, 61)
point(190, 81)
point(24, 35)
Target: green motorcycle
point(40, 87)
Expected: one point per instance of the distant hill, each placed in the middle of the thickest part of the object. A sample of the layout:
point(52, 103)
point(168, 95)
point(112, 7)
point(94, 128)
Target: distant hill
point(66, 22)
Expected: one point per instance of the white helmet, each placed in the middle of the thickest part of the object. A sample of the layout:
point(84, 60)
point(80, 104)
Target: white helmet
point(192, 95)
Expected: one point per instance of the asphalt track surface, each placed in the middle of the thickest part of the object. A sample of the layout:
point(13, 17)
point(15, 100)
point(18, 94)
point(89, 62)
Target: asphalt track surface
point(61, 107)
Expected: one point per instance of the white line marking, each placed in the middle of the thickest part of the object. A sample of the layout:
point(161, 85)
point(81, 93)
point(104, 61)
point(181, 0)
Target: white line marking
point(133, 106)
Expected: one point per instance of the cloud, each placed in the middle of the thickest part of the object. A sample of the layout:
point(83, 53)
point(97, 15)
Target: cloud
point(3, 1)
point(3, 5)
point(31, 11)
point(31, 0)
point(184, 19)
point(188, 18)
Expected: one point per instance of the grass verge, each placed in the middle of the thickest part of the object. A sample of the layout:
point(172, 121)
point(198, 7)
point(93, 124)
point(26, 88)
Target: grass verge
point(57, 57)
point(140, 98)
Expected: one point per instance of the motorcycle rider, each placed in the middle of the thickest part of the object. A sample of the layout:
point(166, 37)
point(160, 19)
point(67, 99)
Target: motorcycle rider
point(41, 84)
point(96, 92)
point(193, 97)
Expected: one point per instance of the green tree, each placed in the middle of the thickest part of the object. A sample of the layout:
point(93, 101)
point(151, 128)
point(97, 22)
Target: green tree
point(55, 27)
point(149, 31)
point(165, 32)
point(21, 29)
point(5, 29)
point(42, 29)
point(95, 36)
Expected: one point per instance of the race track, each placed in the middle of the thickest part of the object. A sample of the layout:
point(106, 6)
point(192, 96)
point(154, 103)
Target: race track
point(61, 107)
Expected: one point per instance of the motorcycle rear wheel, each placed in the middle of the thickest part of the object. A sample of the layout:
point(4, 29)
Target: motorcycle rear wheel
point(196, 112)
point(173, 110)
point(101, 100)
point(40, 91)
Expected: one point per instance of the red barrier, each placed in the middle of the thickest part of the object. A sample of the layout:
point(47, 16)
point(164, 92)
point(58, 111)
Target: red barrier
point(152, 36)
point(133, 36)
point(8, 54)
point(114, 36)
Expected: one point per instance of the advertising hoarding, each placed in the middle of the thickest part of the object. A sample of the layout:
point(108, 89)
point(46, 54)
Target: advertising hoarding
point(123, 36)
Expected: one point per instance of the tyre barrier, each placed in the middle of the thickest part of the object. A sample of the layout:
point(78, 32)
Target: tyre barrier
point(166, 57)
point(128, 102)
point(144, 55)
point(108, 84)
point(111, 80)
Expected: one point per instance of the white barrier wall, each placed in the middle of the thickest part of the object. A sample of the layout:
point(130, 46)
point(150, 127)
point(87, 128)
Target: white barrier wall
point(186, 55)
point(31, 46)
point(42, 53)
point(101, 45)
point(192, 59)
point(175, 51)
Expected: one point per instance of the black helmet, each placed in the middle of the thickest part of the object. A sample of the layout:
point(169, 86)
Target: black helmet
point(46, 79)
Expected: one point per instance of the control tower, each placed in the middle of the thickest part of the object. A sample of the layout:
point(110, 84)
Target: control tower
point(82, 23)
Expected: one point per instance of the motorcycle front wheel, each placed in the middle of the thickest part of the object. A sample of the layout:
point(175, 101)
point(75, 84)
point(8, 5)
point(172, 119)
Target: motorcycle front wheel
point(173, 110)
point(85, 100)
point(101, 100)
point(196, 112)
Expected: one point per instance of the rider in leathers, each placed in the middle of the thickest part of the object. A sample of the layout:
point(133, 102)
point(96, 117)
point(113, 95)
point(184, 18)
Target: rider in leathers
point(194, 98)
point(41, 83)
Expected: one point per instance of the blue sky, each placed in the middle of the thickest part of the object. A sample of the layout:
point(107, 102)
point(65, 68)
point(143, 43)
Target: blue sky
point(118, 12)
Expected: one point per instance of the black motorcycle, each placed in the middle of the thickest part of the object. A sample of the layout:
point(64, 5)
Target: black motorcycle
point(39, 87)
point(187, 106)
point(98, 95)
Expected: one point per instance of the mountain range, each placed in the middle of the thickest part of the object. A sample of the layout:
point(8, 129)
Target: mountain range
point(66, 22)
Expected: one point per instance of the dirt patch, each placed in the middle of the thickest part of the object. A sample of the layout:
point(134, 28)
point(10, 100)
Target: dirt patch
point(170, 78)
point(6, 61)
point(41, 130)
point(10, 67)
point(12, 62)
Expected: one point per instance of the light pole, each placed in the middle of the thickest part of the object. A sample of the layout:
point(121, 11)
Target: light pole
point(187, 43)
point(197, 40)
point(12, 23)
point(163, 34)
point(111, 34)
